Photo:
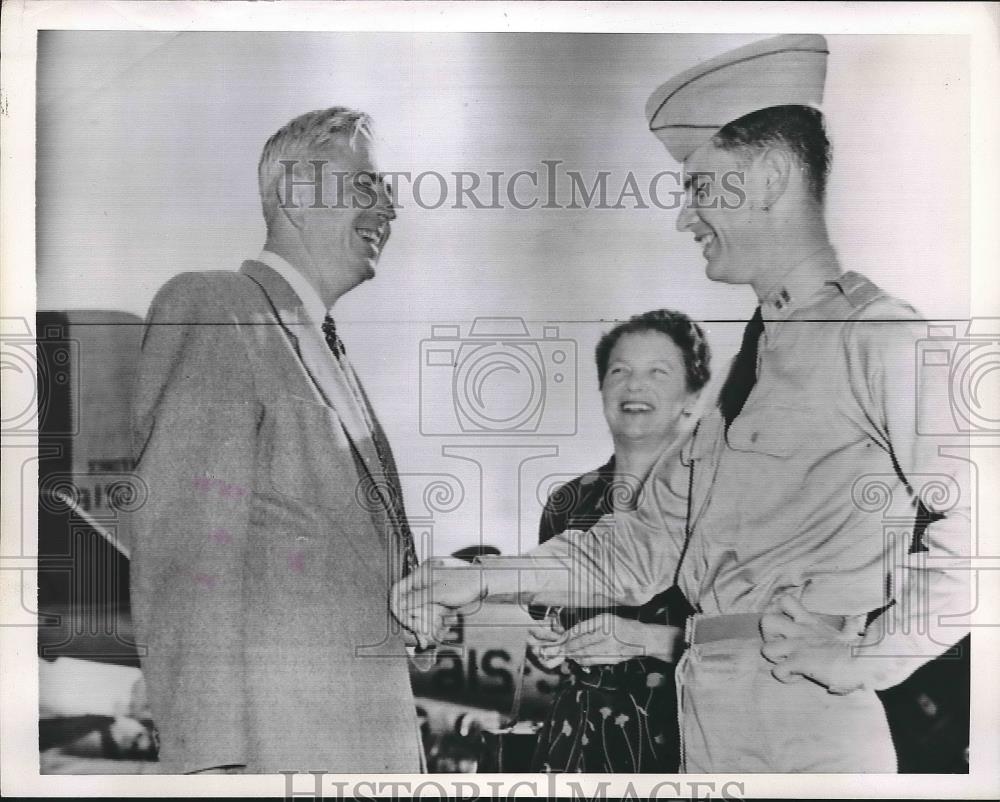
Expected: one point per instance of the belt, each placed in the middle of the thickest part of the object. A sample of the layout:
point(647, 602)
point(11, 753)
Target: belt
point(707, 628)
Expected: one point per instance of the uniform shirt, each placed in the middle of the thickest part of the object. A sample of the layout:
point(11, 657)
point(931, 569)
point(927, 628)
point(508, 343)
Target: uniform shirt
point(813, 490)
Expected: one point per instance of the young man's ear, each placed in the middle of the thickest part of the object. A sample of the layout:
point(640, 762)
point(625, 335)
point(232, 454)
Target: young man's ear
point(777, 166)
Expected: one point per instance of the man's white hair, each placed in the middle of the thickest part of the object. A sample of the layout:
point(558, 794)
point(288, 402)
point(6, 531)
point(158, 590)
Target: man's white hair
point(302, 139)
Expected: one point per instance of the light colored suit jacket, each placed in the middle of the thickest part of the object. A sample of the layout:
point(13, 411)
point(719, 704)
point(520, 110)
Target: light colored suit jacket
point(272, 534)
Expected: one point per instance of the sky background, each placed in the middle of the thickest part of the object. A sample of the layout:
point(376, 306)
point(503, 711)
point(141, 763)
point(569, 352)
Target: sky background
point(147, 147)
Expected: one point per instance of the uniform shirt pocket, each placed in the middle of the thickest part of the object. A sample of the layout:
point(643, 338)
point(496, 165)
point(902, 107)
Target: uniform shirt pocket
point(779, 431)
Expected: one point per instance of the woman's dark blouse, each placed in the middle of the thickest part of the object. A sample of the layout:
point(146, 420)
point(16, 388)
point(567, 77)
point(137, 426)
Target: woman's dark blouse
point(612, 718)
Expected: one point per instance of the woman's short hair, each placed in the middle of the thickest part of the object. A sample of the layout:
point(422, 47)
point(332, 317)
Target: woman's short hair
point(304, 138)
point(684, 332)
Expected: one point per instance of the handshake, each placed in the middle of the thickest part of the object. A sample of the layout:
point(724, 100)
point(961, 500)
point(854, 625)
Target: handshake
point(426, 600)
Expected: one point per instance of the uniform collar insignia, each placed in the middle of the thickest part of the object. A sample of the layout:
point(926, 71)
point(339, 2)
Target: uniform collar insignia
point(800, 284)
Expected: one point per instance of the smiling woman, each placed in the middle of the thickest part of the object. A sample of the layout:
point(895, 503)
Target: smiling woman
point(616, 710)
point(650, 372)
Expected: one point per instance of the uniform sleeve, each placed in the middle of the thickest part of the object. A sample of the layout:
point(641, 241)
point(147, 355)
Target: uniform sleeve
point(626, 558)
point(909, 409)
point(195, 420)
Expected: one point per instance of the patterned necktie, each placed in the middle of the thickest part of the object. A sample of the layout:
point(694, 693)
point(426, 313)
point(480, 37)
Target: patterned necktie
point(334, 342)
point(743, 372)
point(388, 487)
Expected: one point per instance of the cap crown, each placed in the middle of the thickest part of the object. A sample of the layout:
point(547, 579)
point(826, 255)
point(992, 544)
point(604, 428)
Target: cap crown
point(691, 107)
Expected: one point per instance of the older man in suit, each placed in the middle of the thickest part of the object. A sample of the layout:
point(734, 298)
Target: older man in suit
point(274, 526)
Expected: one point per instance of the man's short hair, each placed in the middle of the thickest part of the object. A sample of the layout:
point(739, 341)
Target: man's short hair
point(302, 139)
point(684, 332)
point(800, 129)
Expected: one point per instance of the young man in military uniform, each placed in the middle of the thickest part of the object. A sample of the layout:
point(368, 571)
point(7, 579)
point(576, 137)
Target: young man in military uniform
point(774, 512)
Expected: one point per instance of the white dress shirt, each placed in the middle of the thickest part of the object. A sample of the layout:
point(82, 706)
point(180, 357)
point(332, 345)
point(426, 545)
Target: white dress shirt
point(311, 302)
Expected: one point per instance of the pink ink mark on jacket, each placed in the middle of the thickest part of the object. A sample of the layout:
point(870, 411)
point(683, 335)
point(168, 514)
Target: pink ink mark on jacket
point(207, 581)
point(222, 536)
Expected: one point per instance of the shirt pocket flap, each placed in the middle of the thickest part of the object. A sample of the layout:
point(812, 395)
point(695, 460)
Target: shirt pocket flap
point(779, 431)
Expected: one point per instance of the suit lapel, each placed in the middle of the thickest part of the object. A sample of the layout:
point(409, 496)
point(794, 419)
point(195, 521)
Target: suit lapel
point(393, 499)
point(332, 382)
point(327, 377)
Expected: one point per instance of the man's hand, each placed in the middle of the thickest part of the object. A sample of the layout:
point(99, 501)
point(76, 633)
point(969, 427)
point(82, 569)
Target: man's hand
point(803, 645)
point(425, 601)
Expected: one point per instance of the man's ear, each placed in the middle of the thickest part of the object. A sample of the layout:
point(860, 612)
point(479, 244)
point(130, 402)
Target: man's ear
point(289, 203)
point(777, 166)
